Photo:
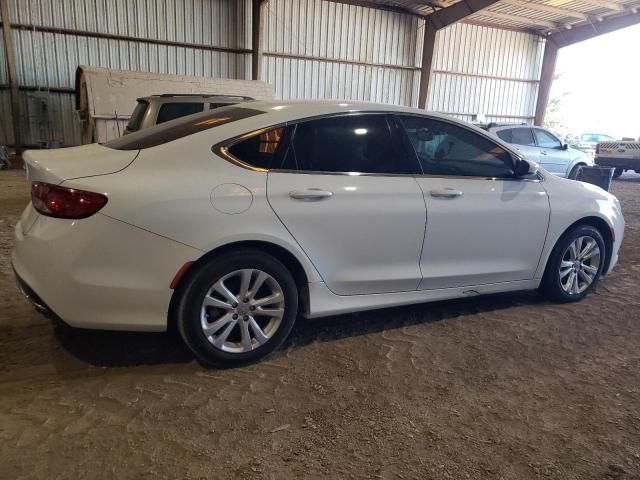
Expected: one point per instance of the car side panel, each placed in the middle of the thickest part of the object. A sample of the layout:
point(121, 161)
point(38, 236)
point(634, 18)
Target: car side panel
point(184, 192)
point(573, 201)
point(103, 274)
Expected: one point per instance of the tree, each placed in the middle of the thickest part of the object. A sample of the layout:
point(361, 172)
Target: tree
point(554, 118)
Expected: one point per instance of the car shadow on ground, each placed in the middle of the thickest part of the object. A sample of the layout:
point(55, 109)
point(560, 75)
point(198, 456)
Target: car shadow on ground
point(127, 349)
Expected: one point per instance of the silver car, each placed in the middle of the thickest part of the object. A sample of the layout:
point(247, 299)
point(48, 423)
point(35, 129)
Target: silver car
point(157, 109)
point(543, 147)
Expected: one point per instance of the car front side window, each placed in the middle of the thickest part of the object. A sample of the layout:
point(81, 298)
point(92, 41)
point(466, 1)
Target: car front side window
point(546, 140)
point(447, 149)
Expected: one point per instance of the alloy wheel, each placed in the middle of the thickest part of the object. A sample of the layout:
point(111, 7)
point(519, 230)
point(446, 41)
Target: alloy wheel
point(242, 310)
point(580, 265)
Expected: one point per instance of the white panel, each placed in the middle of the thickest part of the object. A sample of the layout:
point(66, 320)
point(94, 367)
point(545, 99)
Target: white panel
point(49, 60)
point(353, 52)
point(483, 70)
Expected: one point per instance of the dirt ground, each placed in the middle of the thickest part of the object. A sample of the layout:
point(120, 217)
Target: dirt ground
point(506, 387)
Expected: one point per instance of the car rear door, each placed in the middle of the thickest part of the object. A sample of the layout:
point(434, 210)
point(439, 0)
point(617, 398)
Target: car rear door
point(522, 139)
point(345, 190)
point(483, 225)
point(553, 157)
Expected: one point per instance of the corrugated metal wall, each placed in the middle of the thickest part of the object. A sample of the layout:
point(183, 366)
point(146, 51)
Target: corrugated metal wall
point(77, 32)
point(312, 49)
point(482, 70)
point(325, 50)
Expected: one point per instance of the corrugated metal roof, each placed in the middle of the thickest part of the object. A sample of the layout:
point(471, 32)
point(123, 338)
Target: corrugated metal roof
point(534, 15)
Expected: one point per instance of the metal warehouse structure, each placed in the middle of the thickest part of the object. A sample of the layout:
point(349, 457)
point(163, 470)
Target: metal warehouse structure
point(461, 57)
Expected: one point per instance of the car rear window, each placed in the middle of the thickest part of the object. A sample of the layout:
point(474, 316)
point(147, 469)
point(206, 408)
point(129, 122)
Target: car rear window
point(171, 111)
point(181, 127)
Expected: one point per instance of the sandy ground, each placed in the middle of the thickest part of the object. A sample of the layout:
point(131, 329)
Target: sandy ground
point(505, 387)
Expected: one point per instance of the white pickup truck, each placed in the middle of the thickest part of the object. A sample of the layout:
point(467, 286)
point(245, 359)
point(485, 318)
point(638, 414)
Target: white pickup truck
point(622, 155)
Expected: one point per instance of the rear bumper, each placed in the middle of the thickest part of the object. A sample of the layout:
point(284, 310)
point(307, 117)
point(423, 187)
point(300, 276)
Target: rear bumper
point(98, 272)
point(626, 163)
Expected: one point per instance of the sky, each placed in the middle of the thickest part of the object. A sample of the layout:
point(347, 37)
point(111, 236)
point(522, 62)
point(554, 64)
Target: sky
point(599, 83)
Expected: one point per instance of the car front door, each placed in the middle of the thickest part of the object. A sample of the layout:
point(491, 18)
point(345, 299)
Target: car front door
point(346, 191)
point(483, 225)
point(553, 157)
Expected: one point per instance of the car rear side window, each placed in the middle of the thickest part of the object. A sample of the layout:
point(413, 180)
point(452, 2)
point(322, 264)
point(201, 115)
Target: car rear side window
point(263, 150)
point(364, 143)
point(171, 111)
point(136, 117)
point(181, 127)
point(505, 135)
point(523, 136)
point(447, 149)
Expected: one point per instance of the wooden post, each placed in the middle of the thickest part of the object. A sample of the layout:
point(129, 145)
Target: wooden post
point(13, 78)
point(256, 39)
point(546, 80)
point(428, 47)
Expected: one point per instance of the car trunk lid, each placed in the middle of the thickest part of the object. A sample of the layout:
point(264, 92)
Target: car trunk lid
point(56, 166)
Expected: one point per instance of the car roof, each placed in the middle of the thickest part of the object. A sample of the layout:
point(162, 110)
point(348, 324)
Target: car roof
point(195, 96)
point(310, 108)
point(274, 112)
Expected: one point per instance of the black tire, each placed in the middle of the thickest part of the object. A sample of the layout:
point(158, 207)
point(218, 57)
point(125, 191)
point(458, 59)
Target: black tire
point(551, 284)
point(575, 172)
point(198, 284)
point(618, 172)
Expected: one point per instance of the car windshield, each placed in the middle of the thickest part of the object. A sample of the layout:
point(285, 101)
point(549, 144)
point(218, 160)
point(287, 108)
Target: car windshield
point(181, 127)
point(595, 138)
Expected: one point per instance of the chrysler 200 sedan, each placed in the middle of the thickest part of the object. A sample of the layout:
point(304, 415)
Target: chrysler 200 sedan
point(231, 223)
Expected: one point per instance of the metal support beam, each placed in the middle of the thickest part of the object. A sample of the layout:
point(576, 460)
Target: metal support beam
point(595, 29)
point(256, 39)
point(428, 48)
point(438, 20)
point(458, 11)
point(13, 78)
point(546, 80)
point(570, 37)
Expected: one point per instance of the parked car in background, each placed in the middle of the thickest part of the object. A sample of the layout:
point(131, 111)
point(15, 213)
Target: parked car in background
point(622, 155)
point(232, 223)
point(587, 142)
point(543, 147)
point(157, 109)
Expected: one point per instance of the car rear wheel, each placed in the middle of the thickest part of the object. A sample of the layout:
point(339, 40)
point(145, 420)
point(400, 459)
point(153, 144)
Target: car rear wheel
point(575, 265)
point(618, 172)
point(238, 308)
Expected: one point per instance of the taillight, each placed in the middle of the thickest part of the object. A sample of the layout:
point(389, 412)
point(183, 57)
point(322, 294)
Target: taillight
point(598, 148)
point(61, 202)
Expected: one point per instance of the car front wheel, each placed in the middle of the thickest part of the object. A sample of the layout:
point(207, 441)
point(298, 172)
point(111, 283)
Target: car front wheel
point(575, 172)
point(237, 308)
point(575, 265)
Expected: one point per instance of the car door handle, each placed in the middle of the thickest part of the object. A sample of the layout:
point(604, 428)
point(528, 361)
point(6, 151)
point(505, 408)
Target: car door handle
point(446, 193)
point(543, 152)
point(311, 194)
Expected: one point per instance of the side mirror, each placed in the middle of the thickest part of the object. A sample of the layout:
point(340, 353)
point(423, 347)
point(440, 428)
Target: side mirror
point(565, 146)
point(523, 167)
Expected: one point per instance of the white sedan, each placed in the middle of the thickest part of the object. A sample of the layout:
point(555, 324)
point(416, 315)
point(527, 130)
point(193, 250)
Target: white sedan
point(231, 223)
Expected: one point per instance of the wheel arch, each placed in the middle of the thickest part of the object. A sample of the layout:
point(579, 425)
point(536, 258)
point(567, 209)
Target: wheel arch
point(599, 224)
point(279, 252)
